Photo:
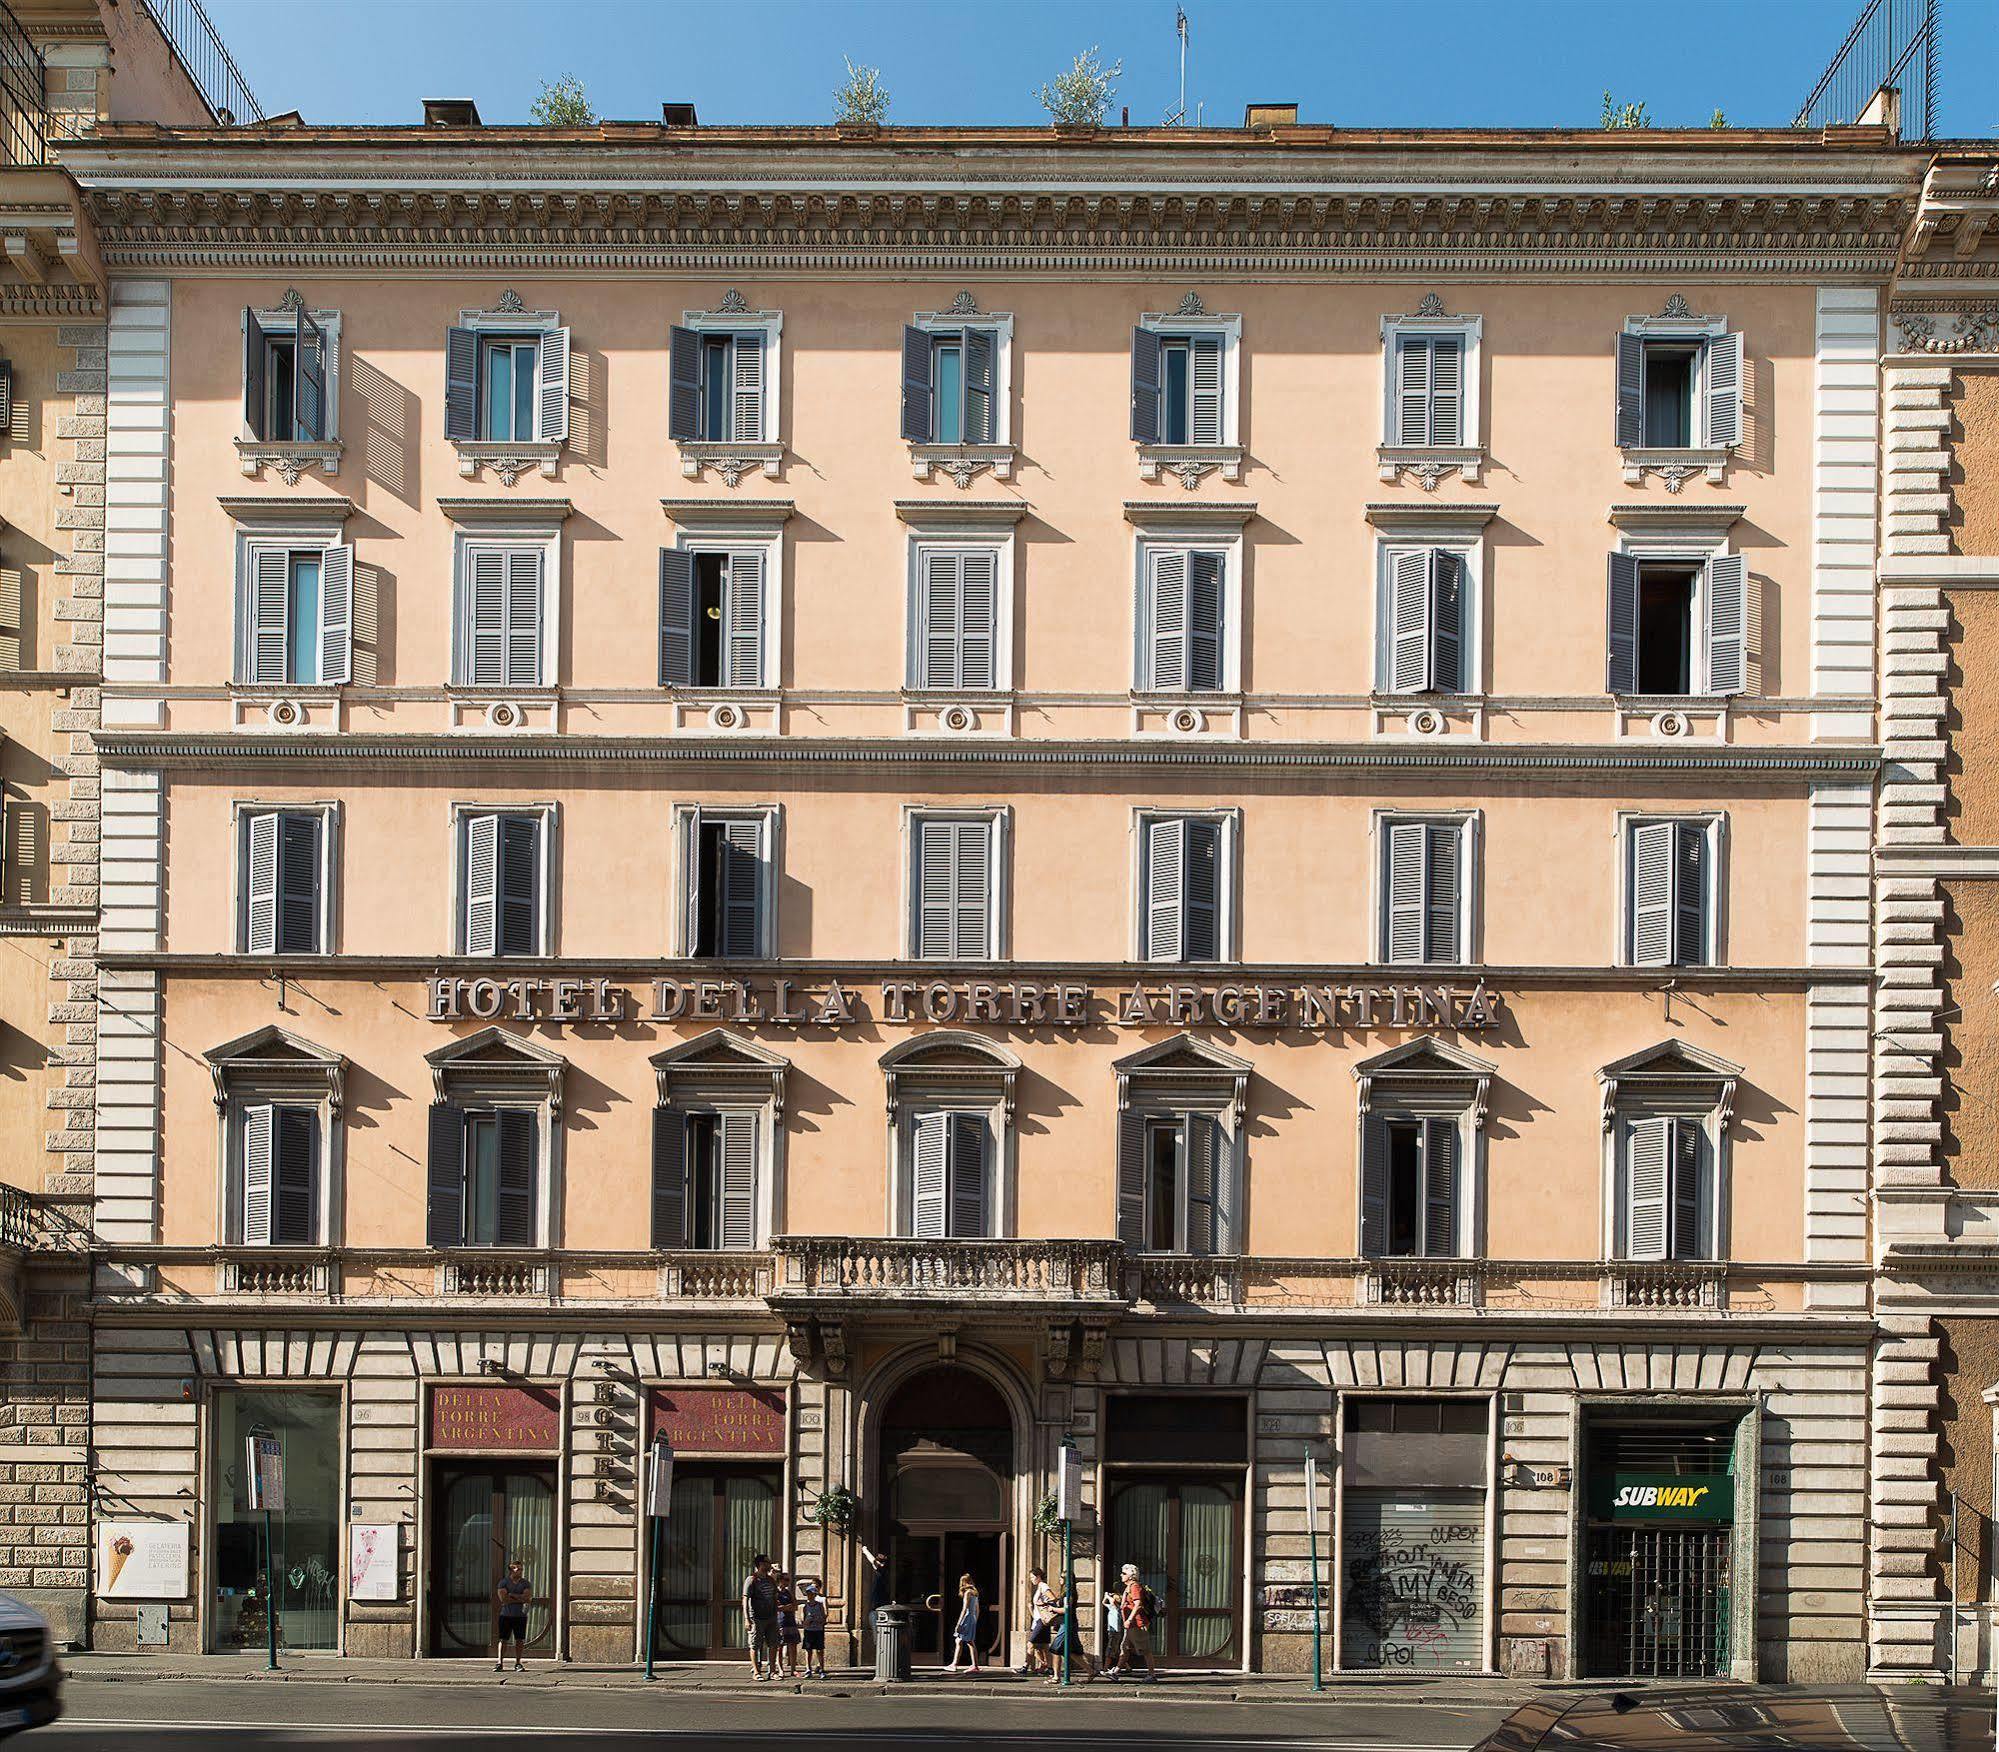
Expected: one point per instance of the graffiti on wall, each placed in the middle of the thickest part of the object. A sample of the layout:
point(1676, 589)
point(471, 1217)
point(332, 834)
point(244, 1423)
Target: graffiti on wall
point(1412, 1593)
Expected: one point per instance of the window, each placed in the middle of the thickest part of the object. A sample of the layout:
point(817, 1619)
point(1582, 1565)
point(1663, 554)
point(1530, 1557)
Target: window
point(717, 390)
point(954, 629)
point(954, 884)
point(1185, 887)
point(503, 614)
point(1179, 392)
point(1678, 625)
point(1667, 1175)
point(484, 1166)
point(1172, 1175)
point(727, 863)
point(704, 1186)
point(1671, 891)
point(279, 1098)
point(951, 384)
point(506, 385)
point(1410, 1195)
point(296, 613)
point(1182, 608)
point(711, 617)
point(283, 859)
point(1429, 406)
point(951, 1160)
point(1425, 621)
point(278, 1173)
point(1426, 886)
point(287, 358)
point(1679, 386)
point(503, 864)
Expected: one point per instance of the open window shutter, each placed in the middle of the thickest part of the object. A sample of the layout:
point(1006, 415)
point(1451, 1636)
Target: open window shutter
point(683, 388)
point(981, 386)
point(482, 885)
point(918, 400)
point(1621, 625)
point(746, 403)
point(744, 665)
point(514, 1214)
point(270, 579)
point(669, 1177)
point(1205, 420)
point(552, 385)
point(968, 1177)
point(298, 883)
point(1652, 894)
point(1131, 1178)
point(1164, 665)
point(1648, 1143)
point(1693, 879)
point(978, 613)
point(1447, 622)
point(1409, 657)
point(1630, 391)
point(1412, 391)
point(260, 931)
point(1727, 623)
point(1201, 893)
point(520, 885)
point(1722, 419)
point(1204, 1183)
point(741, 898)
point(1146, 378)
point(972, 909)
point(676, 617)
point(486, 618)
point(1689, 1145)
point(257, 1153)
point(1373, 1186)
point(336, 612)
point(254, 393)
point(936, 888)
point(1444, 850)
point(524, 640)
point(937, 644)
point(1408, 845)
point(1165, 874)
point(294, 1177)
point(461, 384)
point(739, 1181)
point(1204, 621)
point(1447, 389)
point(1440, 1187)
point(309, 379)
point(444, 1219)
point(930, 1146)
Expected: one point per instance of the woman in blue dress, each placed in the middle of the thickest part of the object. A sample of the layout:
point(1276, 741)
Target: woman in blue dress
point(966, 1636)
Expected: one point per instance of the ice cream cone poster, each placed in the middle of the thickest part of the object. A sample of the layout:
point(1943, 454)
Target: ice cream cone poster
point(142, 1560)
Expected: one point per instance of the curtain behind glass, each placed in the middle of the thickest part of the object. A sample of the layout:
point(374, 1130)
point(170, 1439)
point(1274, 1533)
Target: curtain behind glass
point(468, 1523)
point(687, 1567)
point(530, 1520)
point(749, 1519)
point(1138, 1535)
point(1207, 1550)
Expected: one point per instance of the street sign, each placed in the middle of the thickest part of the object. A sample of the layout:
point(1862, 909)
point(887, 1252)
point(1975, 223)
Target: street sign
point(1069, 1485)
point(659, 1479)
point(264, 1467)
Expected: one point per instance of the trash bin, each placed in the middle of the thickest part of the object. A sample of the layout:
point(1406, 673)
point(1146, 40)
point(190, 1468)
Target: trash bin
point(892, 1644)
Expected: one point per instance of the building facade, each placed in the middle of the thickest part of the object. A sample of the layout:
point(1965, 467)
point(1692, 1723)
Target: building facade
point(881, 802)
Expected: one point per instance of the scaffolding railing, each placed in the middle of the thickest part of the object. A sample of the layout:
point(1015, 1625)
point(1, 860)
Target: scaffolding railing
point(24, 111)
point(1892, 46)
point(205, 59)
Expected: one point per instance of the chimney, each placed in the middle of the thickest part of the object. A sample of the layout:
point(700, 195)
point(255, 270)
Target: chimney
point(1270, 115)
point(450, 112)
point(679, 115)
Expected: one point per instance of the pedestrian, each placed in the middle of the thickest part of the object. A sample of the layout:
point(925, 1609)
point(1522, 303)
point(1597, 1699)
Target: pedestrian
point(1137, 1606)
point(760, 1616)
point(965, 1638)
point(1067, 1636)
point(787, 1623)
point(513, 1594)
point(812, 1627)
point(878, 1577)
point(1040, 1619)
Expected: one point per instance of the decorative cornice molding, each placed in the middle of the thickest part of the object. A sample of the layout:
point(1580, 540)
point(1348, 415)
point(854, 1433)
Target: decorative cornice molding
point(962, 513)
point(536, 513)
point(259, 510)
point(1190, 513)
point(1430, 514)
point(1945, 325)
point(729, 513)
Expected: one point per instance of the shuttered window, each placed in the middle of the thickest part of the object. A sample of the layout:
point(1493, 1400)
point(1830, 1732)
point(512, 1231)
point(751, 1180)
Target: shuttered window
point(484, 1177)
point(716, 386)
point(954, 881)
point(711, 617)
point(1178, 393)
point(1411, 1193)
point(1672, 892)
point(950, 391)
point(726, 858)
point(502, 624)
point(1675, 391)
point(1678, 626)
point(704, 1179)
point(284, 874)
point(1181, 610)
point(1425, 621)
point(296, 610)
point(1175, 1183)
point(1429, 402)
point(502, 861)
point(506, 388)
point(1668, 1169)
point(285, 374)
point(1181, 887)
point(950, 1174)
point(278, 1173)
point(954, 642)
point(1425, 876)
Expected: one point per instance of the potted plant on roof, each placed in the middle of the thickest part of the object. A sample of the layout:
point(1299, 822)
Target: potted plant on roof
point(1077, 99)
point(860, 106)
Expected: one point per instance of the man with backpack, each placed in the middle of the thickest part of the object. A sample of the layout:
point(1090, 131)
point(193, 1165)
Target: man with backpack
point(1138, 1605)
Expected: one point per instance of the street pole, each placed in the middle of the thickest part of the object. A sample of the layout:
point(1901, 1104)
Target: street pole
point(1069, 1627)
point(1068, 1500)
point(270, 1598)
point(658, 1502)
point(1312, 1529)
point(652, 1586)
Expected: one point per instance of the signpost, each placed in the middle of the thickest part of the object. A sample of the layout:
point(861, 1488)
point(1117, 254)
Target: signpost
point(264, 1468)
point(1312, 1529)
point(1068, 1501)
point(659, 1505)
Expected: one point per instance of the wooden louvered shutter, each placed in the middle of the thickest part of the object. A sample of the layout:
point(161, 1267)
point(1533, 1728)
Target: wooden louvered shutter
point(1652, 910)
point(255, 392)
point(21, 856)
point(1721, 417)
point(461, 384)
point(1409, 605)
point(14, 643)
point(260, 887)
point(1693, 879)
point(1621, 625)
point(972, 858)
point(741, 897)
point(270, 602)
point(520, 885)
point(257, 1152)
point(1204, 364)
point(1630, 425)
point(1204, 621)
point(1408, 860)
point(1727, 623)
point(444, 1204)
point(936, 889)
point(1412, 390)
point(1440, 1187)
point(1647, 1149)
point(669, 1177)
point(1163, 659)
point(1205, 1168)
point(1689, 1148)
point(978, 619)
point(298, 906)
point(1444, 857)
point(929, 1137)
point(1201, 893)
point(514, 1207)
point(482, 885)
point(336, 612)
point(981, 386)
point(683, 387)
point(918, 397)
point(1147, 378)
point(746, 400)
point(1447, 622)
point(294, 1176)
point(1373, 1186)
point(1447, 390)
point(485, 618)
point(970, 1219)
point(552, 385)
point(936, 652)
point(1165, 877)
point(1131, 1179)
point(524, 666)
point(309, 380)
point(738, 1132)
point(743, 623)
point(676, 617)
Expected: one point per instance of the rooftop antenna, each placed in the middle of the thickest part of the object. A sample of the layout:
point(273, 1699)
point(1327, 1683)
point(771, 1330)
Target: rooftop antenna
point(1179, 117)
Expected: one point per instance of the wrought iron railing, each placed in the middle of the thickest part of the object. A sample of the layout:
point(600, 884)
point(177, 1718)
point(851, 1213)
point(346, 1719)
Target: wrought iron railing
point(24, 110)
point(1892, 43)
point(18, 1227)
point(205, 59)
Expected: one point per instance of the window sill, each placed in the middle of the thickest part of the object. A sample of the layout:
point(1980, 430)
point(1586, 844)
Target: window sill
point(1187, 463)
point(730, 460)
point(509, 461)
point(291, 460)
point(1676, 466)
point(1431, 463)
point(961, 464)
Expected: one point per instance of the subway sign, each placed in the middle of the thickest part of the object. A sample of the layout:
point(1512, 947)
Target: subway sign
point(1664, 1496)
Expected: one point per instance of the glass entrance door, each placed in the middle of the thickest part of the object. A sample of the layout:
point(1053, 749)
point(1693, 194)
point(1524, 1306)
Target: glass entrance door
point(483, 1515)
point(1186, 1539)
point(926, 1566)
point(722, 1517)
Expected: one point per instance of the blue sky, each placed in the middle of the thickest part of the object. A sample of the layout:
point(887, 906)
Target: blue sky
point(1356, 63)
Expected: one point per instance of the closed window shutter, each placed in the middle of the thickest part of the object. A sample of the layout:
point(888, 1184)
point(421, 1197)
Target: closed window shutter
point(1201, 893)
point(461, 384)
point(336, 612)
point(1722, 402)
point(444, 1203)
point(1447, 392)
point(937, 645)
point(1630, 391)
point(294, 1196)
point(1205, 361)
point(1373, 1186)
point(1444, 849)
point(520, 885)
point(1409, 654)
point(1204, 621)
point(13, 618)
point(981, 387)
point(743, 662)
point(1412, 390)
point(1440, 1187)
point(552, 385)
point(1165, 876)
point(1652, 909)
point(746, 402)
point(260, 888)
point(669, 1177)
point(1689, 1144)
point(968, 1177)
point(1447, 623)
point(739, 1181)
point(482, 884)
point(954, 879)
point(936, 888)
point(1621, 625)
point(918, 398)
point(524, 597)
point(255, 392)
point(1204, 1184)
point(1648, 1147)
point(978, 613)
point(1408, 858)
point(683, 388)
point(1727, 623)
point(309, 380)
point(742, 885)
point(1163, 653)
point(257, 1153)
point(929, 1140)
point(1147, 377)
point(486, 618)
point(974, 860)
point(1693, 881)
point(1131, 1179)
point(514, 1213)
point(676, 617)
point(270, 597)
point(298, 883)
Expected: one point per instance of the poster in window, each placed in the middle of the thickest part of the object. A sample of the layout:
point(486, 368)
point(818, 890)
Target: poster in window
point(374, 1552)
point(142, 1560)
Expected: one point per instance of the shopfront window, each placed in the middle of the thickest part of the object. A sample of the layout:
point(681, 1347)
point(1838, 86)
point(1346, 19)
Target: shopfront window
point(723, 1516)
point(304, 1535)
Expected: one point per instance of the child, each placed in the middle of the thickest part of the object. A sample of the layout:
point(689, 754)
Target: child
point(965, 1639)
point(812, 1627)
point(787, 1623)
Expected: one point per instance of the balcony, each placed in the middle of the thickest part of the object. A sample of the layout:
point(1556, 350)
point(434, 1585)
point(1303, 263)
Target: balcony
point(831, 1274)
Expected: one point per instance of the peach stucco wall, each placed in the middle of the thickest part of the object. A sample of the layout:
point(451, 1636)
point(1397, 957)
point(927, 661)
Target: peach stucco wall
point(1974, 475)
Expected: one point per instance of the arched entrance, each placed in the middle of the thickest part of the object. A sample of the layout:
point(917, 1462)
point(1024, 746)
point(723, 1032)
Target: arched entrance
point(946, 1469)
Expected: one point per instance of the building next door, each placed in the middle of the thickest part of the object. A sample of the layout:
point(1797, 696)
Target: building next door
point(483, 1516)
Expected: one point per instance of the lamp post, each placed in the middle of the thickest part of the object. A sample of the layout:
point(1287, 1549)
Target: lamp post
point(659, 1504)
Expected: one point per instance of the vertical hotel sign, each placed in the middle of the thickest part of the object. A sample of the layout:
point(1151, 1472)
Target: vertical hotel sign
point(495, 1420)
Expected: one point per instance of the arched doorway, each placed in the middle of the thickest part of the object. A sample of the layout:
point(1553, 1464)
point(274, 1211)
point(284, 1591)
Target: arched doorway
point(946, 1459)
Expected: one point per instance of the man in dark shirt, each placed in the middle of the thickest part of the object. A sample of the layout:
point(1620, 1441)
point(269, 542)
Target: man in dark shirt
point(513, 1594)
point(760, 1616)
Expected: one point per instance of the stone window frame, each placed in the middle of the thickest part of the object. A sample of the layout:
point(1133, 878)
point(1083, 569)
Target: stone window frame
point(977, 1075)
point(272, 1064)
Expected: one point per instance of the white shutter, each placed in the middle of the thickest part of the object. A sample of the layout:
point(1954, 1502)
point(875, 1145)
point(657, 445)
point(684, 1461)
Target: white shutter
point(1652, 866)
point(1721, 414)
point(482, 884)
point(524, 666)
point(746, 406)
point(1447, 364)
point(336, 612)
point(1727, 623)
point(929, 1145)
point(1201, 893)
point(260, 888)
point(1165, 868)
point(1444, 938)
point(485, 659)
point(972, 924)
point(1647, 1148)
point(1440, 1187)
point(552, 385)
point(969, 1176)
point(1163, 649)
point(1408, 847)
point(270, 601)
point(743, 666)
point(1412, 391)
point(739, 1180)
point(257, 1175)
point(953, 879)
point(936, 888)
point(1204, 357)
point(1409, 633)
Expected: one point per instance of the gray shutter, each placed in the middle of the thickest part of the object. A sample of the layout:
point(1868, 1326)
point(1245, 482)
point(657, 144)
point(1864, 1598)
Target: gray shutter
point(937, 642)
point(486, 618)
point(1652, 868)
point(669, 1178)
point(918, 398)
point(981, 386)
point(743, 630)
point(741, 899)
point(968, 1165)
point(520, 885)
point(1621, 625)
point(270, 601)
point(1444, 853)
point(1204, 621)
point(1440, 1187)
point(676, 617)
point(1204, 1183)
point(294, 1180)
point(461, 384)
point(1409, 633)
point(1447, 623)
point(1630, 391)
point(482, 884)
point(254, 391)
point(309, 403)
point(746, 401)
point(1165, 875)
point(739, 1181)
point(298, 883)
point(1693, 879)
point(1722, 402)
point(257, 1152)
point(444, 1204)
point(683, 389)
point(978, 619)
point(552, 385)
point(1447, 389)
point(514, 1212)
point(1131, 1178)
point(1689, 1146)
point(1146, 381)
point(1408, 846)
point(260, 887)
point(1373, 1186)
point(1163, 648)
point(1647, 1145)
point(336, 612)
point(929, 1145)
point(972, 907)
point(1412, 391)
point(1204, 368)
point(524, 665)
point(1727, 623)
point(936, 888)
point(13, 631)
point(1201, 893)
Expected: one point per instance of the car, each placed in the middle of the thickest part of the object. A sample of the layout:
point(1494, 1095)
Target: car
point(30, 1674)
point(1738, 1718)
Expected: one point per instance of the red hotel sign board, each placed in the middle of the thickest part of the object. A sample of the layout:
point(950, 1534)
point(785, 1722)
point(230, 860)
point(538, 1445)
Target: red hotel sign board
point(719, 1420)
point(507, 1420)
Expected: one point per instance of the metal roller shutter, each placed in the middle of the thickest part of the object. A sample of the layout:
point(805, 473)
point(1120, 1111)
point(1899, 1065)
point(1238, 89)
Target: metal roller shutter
point(1413, 1580)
